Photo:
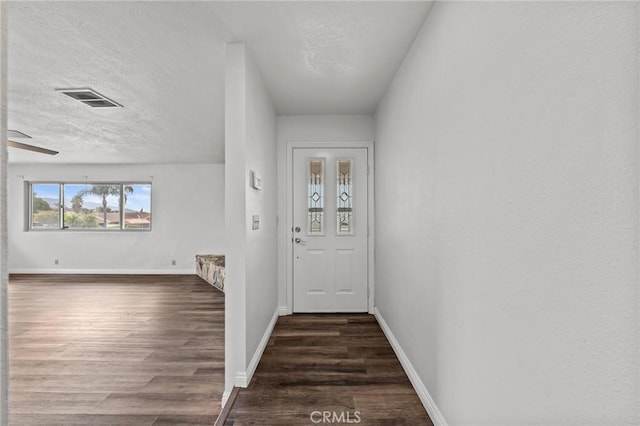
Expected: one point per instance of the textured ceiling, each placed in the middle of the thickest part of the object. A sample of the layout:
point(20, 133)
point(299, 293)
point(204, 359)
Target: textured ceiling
point(321, 57)
point(161, 61)
point(164, 62)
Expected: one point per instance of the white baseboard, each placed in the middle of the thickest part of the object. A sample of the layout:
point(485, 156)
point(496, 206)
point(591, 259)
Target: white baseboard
point(225, 398)
point(283, 310)
point(243, 378)
point(429, 404)
point(106, 271)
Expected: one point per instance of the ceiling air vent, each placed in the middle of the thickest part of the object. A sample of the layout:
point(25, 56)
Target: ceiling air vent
point(90, 97)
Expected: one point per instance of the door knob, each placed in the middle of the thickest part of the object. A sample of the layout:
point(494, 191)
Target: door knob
point(298, 240)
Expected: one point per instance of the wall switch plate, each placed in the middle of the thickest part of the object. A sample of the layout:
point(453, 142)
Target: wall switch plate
point(56, 262)
point(173, 263)
point(256, 182)
point(255, 224)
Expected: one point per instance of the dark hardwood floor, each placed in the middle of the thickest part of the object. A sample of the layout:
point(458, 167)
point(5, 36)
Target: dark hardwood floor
point(340, 364)
point(114, 350)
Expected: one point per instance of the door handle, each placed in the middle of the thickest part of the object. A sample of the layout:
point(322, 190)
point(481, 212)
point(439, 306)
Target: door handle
point(298, 240)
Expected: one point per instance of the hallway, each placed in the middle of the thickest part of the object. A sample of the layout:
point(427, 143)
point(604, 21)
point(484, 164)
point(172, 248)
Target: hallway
point(339, 366)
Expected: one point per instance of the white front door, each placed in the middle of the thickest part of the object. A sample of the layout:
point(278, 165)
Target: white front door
point(330, 230)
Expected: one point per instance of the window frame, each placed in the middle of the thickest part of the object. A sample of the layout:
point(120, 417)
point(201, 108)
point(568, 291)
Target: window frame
point(61, 208)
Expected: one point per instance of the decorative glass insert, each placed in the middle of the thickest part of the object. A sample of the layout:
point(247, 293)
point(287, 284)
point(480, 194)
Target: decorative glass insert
point(315, 196)
point(345, 197)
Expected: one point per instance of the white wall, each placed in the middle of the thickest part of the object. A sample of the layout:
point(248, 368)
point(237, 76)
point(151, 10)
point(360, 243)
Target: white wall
point(309, 128)
point(251, 292)
point(262, 290)
point(4, 260)
point(188, 219)
point(507, 211)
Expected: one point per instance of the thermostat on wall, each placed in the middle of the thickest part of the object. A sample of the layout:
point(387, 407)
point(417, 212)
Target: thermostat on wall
point(256, 182)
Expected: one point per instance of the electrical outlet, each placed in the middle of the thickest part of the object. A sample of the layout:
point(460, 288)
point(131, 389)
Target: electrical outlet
point(56, 262)
point(173, 263)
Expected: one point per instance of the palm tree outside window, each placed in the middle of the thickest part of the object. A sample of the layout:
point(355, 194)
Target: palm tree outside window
point(104, 192)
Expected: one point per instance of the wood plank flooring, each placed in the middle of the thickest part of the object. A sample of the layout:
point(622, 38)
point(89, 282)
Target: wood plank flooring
point(340, 364)
point(114, 350)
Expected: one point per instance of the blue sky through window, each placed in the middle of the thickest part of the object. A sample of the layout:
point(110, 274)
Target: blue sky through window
point(44, 190)
point(140, 198)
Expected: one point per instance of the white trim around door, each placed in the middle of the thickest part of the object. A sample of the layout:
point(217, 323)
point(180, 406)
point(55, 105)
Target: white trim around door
point(291, 145)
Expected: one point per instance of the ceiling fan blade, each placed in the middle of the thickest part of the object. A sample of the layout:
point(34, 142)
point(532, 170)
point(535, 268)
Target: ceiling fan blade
point(31, 148)
point(17, 134)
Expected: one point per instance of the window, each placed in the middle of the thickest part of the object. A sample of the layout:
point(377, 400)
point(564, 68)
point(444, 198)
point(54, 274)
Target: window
point(95, 206)
point(315, 198)
point(344, 190)
point(45, 206)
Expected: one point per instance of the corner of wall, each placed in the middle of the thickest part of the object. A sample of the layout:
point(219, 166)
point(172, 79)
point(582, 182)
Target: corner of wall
point(427, 401)
point(250, 135)
point(243, 378)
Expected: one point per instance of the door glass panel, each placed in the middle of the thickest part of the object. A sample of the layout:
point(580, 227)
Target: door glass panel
point(315, 198)
point(344, 197)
